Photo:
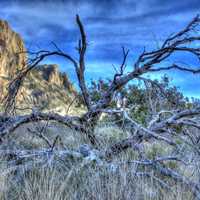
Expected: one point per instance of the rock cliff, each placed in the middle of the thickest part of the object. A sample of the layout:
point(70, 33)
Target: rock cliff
point(52, 75)
point(12, 56)
point(45, 86)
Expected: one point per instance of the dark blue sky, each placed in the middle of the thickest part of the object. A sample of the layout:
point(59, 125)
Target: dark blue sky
point(109, 25)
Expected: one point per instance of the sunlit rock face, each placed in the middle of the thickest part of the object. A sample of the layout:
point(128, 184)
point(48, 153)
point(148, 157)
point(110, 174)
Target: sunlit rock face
point(52, 75)
point(12, 50)
point(44, 86)
point(12, 54)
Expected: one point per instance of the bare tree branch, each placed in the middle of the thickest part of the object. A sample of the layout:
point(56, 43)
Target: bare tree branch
point(146, 62)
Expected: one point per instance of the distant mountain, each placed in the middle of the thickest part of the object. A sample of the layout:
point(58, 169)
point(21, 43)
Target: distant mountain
point(45, 87)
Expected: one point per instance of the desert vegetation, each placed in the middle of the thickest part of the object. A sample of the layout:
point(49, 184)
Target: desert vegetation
point(134, 138)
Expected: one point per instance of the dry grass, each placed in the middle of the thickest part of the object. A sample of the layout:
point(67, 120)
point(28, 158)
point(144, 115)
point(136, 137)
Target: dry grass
point(60, 183)
point(73, 181)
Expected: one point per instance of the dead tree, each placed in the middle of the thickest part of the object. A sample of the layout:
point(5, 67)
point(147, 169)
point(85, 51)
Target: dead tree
point(147, 62)
point(160, 128)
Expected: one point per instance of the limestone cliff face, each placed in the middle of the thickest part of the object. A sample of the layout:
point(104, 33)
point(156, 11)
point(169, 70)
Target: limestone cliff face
point(45, 85)
point(12, 47)
point(52, 75)
point(12, 57)
point(48, 89)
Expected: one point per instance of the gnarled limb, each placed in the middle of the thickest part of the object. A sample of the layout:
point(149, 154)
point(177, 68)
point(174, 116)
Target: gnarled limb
point(146, 62)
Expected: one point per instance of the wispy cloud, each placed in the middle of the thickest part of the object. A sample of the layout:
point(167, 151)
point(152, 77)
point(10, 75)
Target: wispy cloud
point(109, 24)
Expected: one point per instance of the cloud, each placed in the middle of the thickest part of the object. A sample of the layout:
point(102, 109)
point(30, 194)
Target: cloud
point(109, 25)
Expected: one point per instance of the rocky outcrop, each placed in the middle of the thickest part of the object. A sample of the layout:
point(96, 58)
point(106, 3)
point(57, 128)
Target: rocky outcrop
point(12, 54)
point(45, 85)
point(12, 50)
point(52, 75)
